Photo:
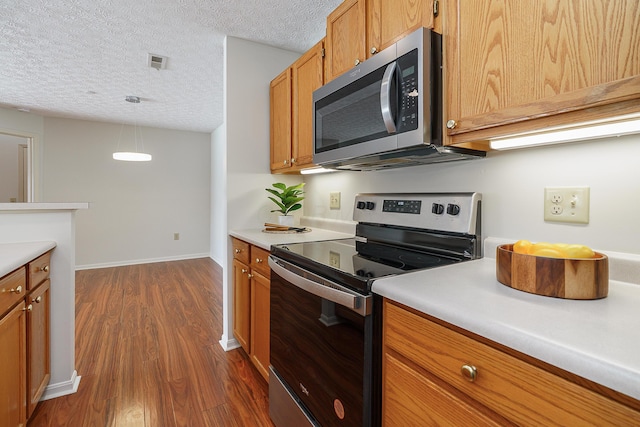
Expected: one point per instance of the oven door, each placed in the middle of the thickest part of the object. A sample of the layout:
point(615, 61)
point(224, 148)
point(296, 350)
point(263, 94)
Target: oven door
point(321, 355)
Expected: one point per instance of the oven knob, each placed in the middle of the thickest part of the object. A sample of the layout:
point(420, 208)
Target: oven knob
point(370, 205)
point(453, 209)
point(361, 205)
point(437, 209)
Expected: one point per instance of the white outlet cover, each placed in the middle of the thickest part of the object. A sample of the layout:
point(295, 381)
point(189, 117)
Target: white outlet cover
point(566, 204)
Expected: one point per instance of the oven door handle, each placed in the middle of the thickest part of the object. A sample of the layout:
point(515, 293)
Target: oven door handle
point(321, 287)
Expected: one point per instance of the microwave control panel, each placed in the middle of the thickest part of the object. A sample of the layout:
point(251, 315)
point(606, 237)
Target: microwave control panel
point(409, 92)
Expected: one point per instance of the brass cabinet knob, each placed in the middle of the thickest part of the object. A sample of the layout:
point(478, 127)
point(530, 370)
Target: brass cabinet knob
point(45, 268)
point(238, 251)
point(258, 260)
point(244, 270)
point(17, 290)
point(29, 308)
point(374, 50)
point(469, 372)
point(37, 300)
point(451, 124)
point(293, 160)
point(250, 276)
point(285, 162)
point(356, 62)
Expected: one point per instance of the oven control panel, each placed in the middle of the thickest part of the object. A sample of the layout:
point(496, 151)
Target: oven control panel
point(454, 212)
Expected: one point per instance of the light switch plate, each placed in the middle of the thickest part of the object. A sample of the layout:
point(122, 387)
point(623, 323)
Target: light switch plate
point(566, 204)
point(334, 200)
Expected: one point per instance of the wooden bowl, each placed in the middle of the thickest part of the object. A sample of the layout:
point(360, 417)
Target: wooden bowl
point(572, 278)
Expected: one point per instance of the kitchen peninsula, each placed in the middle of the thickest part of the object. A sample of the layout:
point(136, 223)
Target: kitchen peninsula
point(23, 223)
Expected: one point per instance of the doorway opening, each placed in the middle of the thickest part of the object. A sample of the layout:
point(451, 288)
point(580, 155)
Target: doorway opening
point(15, 168)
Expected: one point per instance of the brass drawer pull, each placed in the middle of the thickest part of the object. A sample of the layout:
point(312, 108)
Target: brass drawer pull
point(17, 290)
point(37, 300)
point(244, 270)
point(238, 251)
point(258, 260)
point(469, 372)
point(45, 269)
point(29, 308)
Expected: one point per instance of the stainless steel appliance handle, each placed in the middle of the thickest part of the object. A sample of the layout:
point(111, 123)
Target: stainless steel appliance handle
point(321, 287)
point(385, 98)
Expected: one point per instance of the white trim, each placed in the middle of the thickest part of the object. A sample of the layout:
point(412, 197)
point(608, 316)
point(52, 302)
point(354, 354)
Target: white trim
point(62, 389)
point(141, 261)
point(229, 344)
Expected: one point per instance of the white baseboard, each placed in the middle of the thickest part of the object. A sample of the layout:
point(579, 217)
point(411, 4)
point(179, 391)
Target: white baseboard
point(229, 344)
point(62, 389)
point(140, 261)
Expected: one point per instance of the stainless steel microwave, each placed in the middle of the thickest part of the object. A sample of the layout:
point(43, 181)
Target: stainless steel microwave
point(387, 111)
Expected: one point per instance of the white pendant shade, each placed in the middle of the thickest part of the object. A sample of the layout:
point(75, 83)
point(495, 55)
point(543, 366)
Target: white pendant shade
point(132, 157)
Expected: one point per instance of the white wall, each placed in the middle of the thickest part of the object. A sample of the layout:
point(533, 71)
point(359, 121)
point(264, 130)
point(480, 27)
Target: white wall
point(512, 184)
point(135, 207)
point(219, 194)
point(249, 68)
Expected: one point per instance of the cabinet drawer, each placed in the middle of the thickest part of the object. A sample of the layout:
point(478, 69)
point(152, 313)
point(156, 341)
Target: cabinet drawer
point(259, 260)
point(39, 270)
point(406, 391)
point(517, 390)
point(13, 287)
point(240, 250)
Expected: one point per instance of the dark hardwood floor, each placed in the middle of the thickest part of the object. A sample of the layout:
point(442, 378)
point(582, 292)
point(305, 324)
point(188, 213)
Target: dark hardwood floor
point(148, 353)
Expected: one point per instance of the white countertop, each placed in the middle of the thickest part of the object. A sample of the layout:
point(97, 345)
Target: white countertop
point(43, 206)
point(265, 240)
point(595, 339)
point(15, 255)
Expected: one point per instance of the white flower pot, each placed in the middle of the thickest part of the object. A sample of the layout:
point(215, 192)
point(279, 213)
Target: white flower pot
point(286, 220)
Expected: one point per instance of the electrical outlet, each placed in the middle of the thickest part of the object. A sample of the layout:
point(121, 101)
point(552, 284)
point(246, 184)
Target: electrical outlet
point(334, 200)
point(566, 204)
point(334, 259)
point(176, 236)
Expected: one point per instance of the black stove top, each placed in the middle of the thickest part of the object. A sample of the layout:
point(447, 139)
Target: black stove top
point(396, 233)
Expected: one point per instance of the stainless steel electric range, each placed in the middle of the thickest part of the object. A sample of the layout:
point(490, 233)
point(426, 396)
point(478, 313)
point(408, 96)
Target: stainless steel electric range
point(325, 321)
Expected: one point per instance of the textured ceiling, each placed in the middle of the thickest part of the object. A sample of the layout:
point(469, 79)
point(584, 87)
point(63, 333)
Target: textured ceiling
point(80, 58)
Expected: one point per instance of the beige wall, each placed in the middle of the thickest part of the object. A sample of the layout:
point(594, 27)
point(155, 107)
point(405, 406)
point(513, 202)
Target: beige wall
point(135, 207)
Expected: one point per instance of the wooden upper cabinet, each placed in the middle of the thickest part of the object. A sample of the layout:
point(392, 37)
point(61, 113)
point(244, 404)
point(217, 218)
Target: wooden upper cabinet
point(280, 120)
point(346, 34)
point(358, 29)
point(390, 20)
point(523, 65)
point(308, 75)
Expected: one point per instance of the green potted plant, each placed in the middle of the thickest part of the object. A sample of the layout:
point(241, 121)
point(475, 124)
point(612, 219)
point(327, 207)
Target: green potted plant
point(288, 200)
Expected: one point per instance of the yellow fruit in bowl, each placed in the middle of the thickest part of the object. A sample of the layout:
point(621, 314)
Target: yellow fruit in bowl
point(521, 246)
point(549, 252)
point(579, 251)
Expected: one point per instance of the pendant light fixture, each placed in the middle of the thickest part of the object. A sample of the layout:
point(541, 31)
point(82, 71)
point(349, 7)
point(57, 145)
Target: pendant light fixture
point(132, 156)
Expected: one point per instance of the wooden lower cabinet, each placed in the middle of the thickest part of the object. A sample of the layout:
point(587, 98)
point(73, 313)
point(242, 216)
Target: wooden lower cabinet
point(260, 299)
point(427, 368)
point(251, 288)
point(13, 367)
point(38, 345)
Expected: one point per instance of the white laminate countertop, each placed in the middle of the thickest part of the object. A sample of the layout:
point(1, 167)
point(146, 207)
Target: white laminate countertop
point(265, 240)
point(595, 339)
point(15, 255)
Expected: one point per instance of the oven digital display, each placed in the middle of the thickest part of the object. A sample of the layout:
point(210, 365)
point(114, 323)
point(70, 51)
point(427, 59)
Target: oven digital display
point(402, 206)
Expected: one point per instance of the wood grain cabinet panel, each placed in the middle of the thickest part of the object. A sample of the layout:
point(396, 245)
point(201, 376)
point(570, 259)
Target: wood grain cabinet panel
point(38, 344)
point(346, 37)
point(512, 388)
point(242, 304)
point(522, 65)
point(280, 120)
point(260, 289)
point(390, 20)
point(13, 367)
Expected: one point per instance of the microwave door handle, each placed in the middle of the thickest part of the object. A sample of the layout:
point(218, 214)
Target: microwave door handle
point(385, 98)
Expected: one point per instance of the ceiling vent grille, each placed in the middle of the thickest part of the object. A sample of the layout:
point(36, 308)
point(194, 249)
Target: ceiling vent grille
point(158, 62)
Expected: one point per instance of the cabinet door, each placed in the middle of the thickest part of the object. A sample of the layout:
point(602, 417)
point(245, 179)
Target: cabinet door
point(13, 367)
point(411, 399)
point(38, 344)
point(345, 37)
point(242, 305)
point(260, 301)
point(308, 75)
point(522, 65)
point(390, 20)
point(280, 110)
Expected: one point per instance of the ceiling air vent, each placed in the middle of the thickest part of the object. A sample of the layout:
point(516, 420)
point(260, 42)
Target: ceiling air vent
point(158, 62)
